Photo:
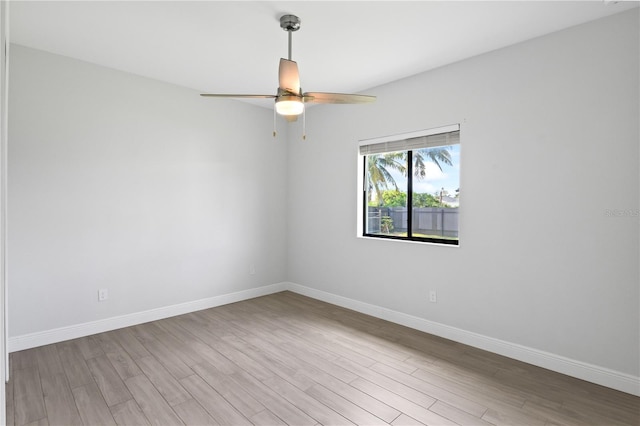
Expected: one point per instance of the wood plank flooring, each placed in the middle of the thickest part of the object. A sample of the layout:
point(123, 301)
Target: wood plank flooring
point(287, 359)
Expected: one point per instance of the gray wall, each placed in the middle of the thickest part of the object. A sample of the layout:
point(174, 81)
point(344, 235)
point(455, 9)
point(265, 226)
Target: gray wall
point(135, 185)
point(549, 135)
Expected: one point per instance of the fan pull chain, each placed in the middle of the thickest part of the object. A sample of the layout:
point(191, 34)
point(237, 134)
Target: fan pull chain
point(274, 122)
point(304, 124)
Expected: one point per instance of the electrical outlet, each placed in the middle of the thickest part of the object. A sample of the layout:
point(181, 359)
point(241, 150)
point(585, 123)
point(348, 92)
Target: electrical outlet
point(103, 294)
point(252, 269)
point(433, 296)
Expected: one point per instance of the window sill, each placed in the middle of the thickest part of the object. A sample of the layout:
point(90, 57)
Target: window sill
point(399, 240)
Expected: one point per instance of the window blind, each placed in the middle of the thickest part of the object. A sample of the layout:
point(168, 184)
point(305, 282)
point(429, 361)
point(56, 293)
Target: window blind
point(443, 137)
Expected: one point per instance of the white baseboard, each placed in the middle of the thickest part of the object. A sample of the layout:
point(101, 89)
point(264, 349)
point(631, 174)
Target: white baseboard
point(581, 370)
point(61, 334)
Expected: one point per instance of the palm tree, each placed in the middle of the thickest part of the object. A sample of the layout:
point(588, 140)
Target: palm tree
point(436, 155)
point(378, 176)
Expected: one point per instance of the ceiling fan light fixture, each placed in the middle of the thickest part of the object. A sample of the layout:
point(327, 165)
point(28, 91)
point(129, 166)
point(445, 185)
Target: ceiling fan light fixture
point(289, 105)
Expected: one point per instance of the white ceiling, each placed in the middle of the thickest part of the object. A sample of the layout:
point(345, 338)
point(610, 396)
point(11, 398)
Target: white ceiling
point(234, 47)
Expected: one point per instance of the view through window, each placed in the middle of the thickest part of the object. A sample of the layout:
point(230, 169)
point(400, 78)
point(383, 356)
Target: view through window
point(421, 171)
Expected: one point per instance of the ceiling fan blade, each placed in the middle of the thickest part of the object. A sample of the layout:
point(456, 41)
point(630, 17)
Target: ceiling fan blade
point(224, 95)
point(336, 98)
point(288, 76)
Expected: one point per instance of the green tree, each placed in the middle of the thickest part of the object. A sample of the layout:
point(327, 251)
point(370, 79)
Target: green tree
point(378, 176)
point(394, 198)
point(426, 200)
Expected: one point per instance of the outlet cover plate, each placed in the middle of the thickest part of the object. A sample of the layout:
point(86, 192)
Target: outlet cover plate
point(103, 294)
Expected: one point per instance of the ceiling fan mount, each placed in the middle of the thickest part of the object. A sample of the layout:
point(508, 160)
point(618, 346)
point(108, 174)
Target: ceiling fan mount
point(290, 22)
point(289, 98)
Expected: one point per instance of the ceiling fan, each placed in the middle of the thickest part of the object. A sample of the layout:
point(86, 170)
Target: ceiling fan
point(290, 100)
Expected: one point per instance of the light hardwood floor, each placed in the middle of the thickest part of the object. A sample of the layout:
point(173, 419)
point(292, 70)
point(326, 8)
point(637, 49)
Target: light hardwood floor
point(288, 359)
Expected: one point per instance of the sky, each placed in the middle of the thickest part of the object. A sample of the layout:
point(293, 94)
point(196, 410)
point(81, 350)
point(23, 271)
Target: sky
point(448, 178)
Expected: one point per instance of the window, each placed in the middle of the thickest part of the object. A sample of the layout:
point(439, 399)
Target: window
point(411, 186)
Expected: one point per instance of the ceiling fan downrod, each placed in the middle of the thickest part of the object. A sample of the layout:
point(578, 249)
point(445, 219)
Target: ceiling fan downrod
point(289, 23)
